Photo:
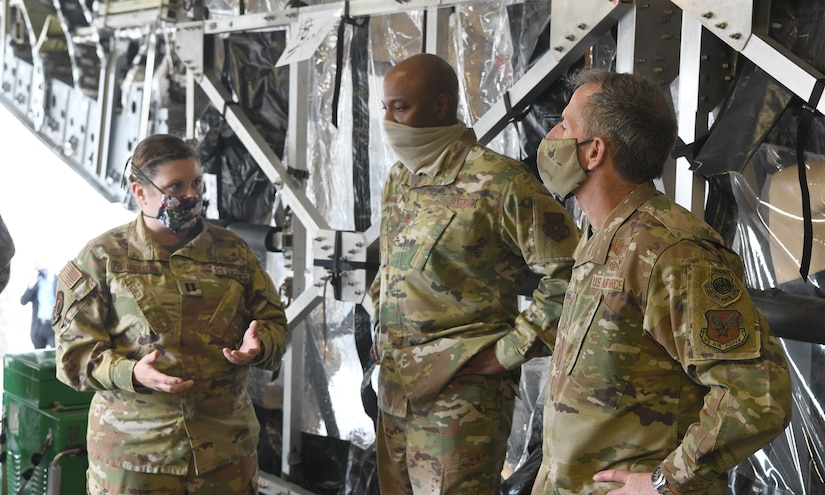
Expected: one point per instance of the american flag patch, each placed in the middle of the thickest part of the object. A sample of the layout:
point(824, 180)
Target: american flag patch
point(70, 275)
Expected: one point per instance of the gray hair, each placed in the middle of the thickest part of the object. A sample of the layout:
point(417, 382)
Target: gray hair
point(632, 114)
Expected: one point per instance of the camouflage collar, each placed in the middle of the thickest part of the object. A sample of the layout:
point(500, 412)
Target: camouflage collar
point(143, 247)
point(598, 245)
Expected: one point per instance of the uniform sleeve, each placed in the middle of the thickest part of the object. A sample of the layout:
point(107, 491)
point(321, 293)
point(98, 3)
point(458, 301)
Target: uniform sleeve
point(265, 307)
point(538, 228)
point(699, 310)
point(6, 254)
point(85, 359)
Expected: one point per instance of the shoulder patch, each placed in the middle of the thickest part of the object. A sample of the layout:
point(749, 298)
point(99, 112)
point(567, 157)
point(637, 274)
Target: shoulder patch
point(555, 226)
point(723, 321)
point(70, 275)
point(721, 288)
point(59, 300)
point(723, 330)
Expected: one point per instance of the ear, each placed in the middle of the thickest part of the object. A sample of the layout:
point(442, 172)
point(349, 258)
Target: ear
point(595, 154)
point(139, 191)
point(442, 107)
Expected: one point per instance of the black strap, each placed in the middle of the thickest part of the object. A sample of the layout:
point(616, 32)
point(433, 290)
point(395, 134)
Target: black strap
point(805, 117)
point(688, 151)
point(339, 61)
point(514, 116)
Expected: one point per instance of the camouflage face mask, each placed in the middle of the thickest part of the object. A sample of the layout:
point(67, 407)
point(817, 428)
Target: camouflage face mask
point(180, 213)
point(559, 167)
point(177, 213)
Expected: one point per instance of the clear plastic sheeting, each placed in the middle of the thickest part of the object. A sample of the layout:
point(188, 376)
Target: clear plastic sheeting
point(793, 463)
point(769, 239)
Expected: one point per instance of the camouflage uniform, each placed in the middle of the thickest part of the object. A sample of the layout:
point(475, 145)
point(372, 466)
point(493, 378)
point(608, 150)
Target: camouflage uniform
point(125, 296)
point(6, 254)
point(455, 249)
point(661, 358)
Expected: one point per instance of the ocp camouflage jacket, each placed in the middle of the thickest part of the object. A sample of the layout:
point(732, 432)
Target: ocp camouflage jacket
point(125, 296)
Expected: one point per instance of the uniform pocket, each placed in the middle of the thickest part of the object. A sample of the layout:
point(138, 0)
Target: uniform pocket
point(606, 353)
point(427, 228)
point(222, 319)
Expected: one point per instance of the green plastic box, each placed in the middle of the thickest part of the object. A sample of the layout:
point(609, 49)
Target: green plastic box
point(59, 435)
point(31, 377)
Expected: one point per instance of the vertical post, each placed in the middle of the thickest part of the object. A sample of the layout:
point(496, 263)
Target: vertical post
point(438, 30)
point(626, 42)
point(689, 188)
point(293, 362)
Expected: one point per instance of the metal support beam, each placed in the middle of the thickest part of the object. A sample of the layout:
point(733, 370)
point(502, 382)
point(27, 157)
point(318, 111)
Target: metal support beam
point(282, 18)
point(551, 66)
point(689, 189)
point(293, 361)
point(148, 77)
point(789, 70)
point(438, 31)
point(270, 164)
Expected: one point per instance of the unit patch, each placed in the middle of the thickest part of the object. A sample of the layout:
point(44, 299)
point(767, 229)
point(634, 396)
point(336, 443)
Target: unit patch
point(58, 308)
point(620, 246)
point(721, 288)
point(555, 226)
point(723, 331)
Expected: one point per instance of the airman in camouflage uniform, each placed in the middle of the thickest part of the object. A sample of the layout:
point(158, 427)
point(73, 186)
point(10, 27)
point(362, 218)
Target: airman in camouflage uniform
point(457, 240)
point(662, 362)
point(191, 312)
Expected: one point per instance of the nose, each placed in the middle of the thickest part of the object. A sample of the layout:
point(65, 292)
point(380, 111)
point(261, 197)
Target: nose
point(388, 115)
point(193, 191)
point(555, 132)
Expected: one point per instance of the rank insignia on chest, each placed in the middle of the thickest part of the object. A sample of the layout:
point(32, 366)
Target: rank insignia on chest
point(191, 287)
point(555, 226)
point(723, 331)
point(721, 288)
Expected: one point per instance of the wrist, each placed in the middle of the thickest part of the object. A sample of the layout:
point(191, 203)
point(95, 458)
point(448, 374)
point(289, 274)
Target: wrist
point(659, 482)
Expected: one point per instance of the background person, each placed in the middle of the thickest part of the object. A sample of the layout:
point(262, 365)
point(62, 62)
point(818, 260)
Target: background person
point(664, 373)
point(41, 295)
point(163, 317)
point(461, 229)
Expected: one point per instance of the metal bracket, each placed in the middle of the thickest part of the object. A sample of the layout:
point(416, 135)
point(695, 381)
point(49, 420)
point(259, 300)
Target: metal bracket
point(731, 20)
point(189, 46)
point(341, 260)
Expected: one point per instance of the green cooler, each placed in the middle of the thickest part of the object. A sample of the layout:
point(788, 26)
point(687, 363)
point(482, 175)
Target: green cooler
point(44, 422)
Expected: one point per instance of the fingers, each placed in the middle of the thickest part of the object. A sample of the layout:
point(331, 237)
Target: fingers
point(252, 331)
point(179, 386)
point(146, 373)
point(240, 356)
point(150, 358)
point(616, 475)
